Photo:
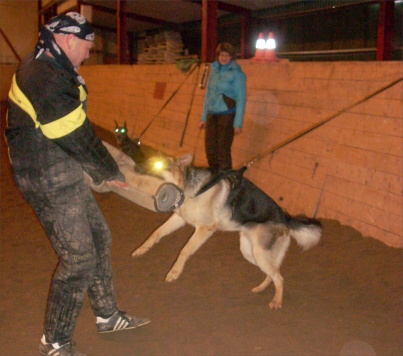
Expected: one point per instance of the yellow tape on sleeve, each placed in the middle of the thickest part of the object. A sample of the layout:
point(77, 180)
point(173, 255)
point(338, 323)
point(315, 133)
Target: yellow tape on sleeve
point(57, 128)
point(64, 125)
point(18, 97)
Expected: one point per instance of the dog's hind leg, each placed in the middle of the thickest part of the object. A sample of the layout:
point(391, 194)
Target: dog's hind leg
point(272, 274)
point(246, 250)
point(269, 245)
point(199, 237)
point(171, 225)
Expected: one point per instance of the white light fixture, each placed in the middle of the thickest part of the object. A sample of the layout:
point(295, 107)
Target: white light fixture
point(260, 43)
point(270, 43)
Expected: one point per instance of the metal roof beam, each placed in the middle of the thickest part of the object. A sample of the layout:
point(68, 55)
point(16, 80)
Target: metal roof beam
point(135, 16)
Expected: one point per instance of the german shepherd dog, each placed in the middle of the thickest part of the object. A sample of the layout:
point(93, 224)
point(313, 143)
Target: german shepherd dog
point(232, 203)
point(130, 147)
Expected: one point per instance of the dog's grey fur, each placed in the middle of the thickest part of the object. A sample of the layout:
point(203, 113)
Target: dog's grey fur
point(263, 244)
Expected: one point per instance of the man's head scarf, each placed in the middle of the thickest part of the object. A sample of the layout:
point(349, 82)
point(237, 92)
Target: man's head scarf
point(70, 23)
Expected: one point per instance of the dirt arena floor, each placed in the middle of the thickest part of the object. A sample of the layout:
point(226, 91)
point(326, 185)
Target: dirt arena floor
point(343, 297)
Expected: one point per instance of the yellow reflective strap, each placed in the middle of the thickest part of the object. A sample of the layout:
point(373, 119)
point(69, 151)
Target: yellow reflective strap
point(55, 129)
point(18, 97)
point(65, 125)
point(83, 94)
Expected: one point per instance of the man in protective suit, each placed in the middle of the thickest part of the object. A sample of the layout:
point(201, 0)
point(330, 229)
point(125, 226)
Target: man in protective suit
point(51, 144)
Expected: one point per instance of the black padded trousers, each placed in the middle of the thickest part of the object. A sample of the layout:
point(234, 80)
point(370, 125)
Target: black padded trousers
point(81, 238)
point(218, 141)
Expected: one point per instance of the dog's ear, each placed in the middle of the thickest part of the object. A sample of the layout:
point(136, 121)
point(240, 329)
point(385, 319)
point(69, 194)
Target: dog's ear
point(185, 160)
point(125, 125)
point(116, 123)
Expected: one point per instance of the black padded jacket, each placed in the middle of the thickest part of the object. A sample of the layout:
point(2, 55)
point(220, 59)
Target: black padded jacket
point(50, 139)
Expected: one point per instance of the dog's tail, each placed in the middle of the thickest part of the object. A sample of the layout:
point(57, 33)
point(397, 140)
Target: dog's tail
point(307, 232)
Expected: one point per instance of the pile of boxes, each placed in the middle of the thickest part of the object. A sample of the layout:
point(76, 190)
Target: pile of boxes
point(164, 47)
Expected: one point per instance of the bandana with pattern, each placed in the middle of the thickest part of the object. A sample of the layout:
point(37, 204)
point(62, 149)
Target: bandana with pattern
point(70, 23)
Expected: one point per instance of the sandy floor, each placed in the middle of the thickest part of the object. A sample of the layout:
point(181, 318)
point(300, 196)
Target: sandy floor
point(343, 297)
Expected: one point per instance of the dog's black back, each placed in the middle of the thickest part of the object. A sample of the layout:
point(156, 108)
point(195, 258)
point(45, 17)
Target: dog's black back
point(130, 147)
point(250, 204)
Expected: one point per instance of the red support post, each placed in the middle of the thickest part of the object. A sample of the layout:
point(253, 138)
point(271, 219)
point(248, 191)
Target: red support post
point(246, 37)
point(209, 30)
point(385, 30)
point(79, 3)
point(122, 31)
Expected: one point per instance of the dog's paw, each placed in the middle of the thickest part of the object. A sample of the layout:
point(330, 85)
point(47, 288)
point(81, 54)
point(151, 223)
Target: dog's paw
point(256, 290)
point(262, 286)
point(275, 304)
point(138, 252)
point(172, 275)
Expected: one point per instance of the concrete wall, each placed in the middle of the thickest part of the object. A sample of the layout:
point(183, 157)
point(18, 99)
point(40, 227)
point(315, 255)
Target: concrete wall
point(348, 169)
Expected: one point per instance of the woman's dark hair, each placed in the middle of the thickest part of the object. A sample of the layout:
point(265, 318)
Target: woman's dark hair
point(226, 47)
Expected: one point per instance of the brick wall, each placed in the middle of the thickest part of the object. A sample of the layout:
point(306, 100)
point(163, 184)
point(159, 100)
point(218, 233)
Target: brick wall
point(348, 169)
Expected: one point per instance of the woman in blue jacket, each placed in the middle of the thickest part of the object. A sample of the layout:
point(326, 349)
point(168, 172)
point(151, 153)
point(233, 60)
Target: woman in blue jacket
point(224, 107)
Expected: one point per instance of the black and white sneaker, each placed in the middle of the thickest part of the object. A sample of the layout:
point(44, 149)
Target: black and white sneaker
point(56, 350)
point(120, 321)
